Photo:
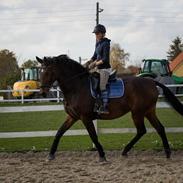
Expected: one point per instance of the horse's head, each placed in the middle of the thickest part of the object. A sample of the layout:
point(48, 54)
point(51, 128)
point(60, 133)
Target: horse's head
point(62, 69)
point(48, 74)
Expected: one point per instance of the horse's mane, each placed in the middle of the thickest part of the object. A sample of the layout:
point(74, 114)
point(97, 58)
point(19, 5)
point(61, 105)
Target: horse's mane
point(67, 62)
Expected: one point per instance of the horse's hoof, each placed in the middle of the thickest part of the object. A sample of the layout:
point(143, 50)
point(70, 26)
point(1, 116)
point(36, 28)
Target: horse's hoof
point(102, 159)
point(124, 154)
point(50, 157)
point(168, 154)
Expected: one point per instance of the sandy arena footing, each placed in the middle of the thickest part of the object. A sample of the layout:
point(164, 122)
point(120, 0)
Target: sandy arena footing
point(76, 167)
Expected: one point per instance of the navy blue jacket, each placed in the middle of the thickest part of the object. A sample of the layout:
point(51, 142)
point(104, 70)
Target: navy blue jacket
point(102, 50)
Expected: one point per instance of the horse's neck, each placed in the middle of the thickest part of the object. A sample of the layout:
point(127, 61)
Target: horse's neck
point(72, 85)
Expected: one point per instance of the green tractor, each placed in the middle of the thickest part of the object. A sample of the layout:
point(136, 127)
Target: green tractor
point(159, 70)
point(155, 67)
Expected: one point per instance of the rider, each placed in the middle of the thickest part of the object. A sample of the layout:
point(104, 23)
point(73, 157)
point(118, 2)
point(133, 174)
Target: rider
point(100, 61)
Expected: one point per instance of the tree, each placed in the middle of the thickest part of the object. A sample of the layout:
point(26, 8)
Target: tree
point(175, 48)
point(9, 70)
point(30, 63)
point(118, 58)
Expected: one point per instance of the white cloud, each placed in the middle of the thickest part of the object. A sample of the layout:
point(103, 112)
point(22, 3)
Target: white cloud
point(10, 3)
point(143, 28)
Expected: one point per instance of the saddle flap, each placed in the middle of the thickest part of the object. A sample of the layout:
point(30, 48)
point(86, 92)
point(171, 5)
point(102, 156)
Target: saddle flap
point(115, 88)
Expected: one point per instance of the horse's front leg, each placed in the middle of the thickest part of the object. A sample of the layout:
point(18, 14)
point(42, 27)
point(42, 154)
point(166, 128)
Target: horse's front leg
point(93, 135)
point(65, 126)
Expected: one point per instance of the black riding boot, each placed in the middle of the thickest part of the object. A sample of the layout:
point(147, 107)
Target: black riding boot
point(103, 109)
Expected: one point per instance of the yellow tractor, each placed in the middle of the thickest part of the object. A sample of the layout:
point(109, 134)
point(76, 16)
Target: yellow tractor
point(30, 78)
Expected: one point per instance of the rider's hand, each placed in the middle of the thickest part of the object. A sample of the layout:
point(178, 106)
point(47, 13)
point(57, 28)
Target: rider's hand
point(86, 65)
point(99, 62)
point(92, 65)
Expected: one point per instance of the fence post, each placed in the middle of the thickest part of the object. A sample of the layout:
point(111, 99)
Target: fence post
point(22, 96)
point(58, 95)
point(96, 128)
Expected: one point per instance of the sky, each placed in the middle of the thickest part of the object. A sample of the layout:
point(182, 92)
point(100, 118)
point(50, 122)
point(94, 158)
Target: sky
point(143, 28)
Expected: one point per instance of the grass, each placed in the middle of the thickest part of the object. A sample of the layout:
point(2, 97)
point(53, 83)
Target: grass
point(34, 121)
point(40, 121)
point(11, 104)
point(80, 143)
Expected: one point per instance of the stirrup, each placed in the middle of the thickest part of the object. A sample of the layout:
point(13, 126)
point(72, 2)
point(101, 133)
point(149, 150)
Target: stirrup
point(102, 110)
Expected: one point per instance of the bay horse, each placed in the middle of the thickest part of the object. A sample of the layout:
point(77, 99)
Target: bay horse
point(140, 98)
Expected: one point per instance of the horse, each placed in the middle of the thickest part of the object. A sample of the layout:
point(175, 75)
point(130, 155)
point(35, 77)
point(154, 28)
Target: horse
point(140, 98)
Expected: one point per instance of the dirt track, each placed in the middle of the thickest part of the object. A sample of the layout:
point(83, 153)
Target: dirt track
point(148, 166)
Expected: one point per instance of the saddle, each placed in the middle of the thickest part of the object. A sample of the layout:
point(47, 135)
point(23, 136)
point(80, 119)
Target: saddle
point(95, 79)
point(115, 86)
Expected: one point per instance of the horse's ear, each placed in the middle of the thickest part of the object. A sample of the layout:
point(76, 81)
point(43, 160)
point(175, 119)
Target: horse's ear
point(39, 60)
point(46, 61)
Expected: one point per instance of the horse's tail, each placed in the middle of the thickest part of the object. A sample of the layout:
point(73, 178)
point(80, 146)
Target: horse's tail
point(171, 98)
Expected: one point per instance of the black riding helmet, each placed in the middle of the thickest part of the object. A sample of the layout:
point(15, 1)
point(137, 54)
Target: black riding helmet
point(99, 28)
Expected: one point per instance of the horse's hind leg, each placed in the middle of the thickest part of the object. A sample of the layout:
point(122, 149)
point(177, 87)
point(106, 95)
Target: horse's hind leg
point(151, 116)
point(65, 126)
point(141, 130)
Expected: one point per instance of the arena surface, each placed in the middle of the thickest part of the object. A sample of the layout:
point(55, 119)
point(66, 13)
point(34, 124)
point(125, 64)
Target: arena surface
point(76, 167)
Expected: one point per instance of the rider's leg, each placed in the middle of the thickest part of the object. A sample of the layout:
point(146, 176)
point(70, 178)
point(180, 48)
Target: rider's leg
point(104, 76)
point(104, 106)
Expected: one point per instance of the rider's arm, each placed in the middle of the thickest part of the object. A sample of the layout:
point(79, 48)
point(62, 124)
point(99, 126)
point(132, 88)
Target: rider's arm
point(105, 56)
point(94, 57)
point(106, 51)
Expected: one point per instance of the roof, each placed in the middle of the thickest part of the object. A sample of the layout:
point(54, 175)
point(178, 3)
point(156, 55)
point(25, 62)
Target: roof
point(155, 60)
point(176, 61)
